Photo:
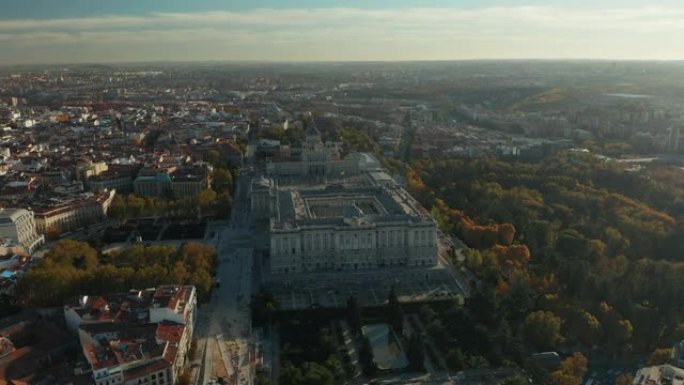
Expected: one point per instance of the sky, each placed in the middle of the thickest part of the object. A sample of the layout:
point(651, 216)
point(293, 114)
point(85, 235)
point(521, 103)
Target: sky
point(106, 31)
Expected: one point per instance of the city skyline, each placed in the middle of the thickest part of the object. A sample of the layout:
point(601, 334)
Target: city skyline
point(308, 30)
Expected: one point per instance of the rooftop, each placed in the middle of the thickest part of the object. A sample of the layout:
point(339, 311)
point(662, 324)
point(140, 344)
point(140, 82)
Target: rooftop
point(369, 198)
point(26, 344)
point(131, 307)
point(121, 344)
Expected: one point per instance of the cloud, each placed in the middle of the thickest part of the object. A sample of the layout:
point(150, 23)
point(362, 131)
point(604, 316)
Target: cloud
point(354, 34)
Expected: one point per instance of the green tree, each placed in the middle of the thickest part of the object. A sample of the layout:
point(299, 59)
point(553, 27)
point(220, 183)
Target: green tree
point(77, 254)
point(506, 234)
point(542, 329)
point(353, 315)
point(224, 204)
point(517, 380)
point(213, 157)
point(395, 315)
point(206, 199)
point(261, 378)
point(583, 327)
point(477, 362)
point(334, 365)
point(316, 374)
point(455, 359)
point(290, 375)
point(223, 180)
point(366, 358)
point(416, 353)
point(263, 305)
point(134, 206)
point(117, 209)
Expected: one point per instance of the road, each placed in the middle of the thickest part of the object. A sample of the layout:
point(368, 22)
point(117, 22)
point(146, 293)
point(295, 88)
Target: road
point(224, 329)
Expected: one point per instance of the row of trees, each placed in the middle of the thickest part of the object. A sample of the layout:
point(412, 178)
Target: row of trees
point(207, 203)
point(73, 268)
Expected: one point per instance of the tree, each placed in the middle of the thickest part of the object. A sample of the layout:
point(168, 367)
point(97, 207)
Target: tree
point(395, 316)
point(517, 380)
point(354, 315)
point(71, 268)
point(582, 326)
point(213, 157)
point(456, 359)
point(571, 371)
point(263, 305)
point(618, 331)
point(506, 234)
point(206, 199)
point(679, 332)
point(316, 374)
point(74, 253)
point(223, 180)
point(224, 204)
point(134, 206)
point(416, 353)
point(477, 362)
point(660, 357)
point(427, 314)
point(542, 329)
point(624, 379)
point(262, 378)
point(575, 365)
point(334, 365)
point(473, 259)
point(518, 301)
point(290, 375)
point(366, 358)
point(117, 209)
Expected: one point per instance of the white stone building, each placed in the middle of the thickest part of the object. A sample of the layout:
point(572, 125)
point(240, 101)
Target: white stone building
point(365, 224)
point(331, 214)
point(19, 227)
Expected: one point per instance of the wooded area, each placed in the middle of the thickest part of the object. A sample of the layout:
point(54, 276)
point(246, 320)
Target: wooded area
point(73, 268)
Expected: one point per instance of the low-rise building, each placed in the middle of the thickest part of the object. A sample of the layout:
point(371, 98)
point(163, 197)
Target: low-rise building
point(19, 189)
point(72, 213)
point(189, 182)
point(133, 354)
point(139, 337)
point(119, 180)
point(171, 303)
point(153, 182)
point(34, 350)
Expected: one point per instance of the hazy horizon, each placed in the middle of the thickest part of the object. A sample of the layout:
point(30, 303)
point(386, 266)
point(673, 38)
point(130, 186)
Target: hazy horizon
point(335, 31)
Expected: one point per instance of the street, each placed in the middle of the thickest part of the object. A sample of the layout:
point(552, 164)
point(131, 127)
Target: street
point(224, 332)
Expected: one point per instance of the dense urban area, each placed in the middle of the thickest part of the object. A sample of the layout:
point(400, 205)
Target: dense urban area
point(475, 222)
